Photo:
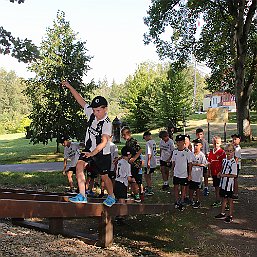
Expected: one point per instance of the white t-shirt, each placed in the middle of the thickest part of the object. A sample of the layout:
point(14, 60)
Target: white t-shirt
point(197, 171)
point(150, 148)
point(166, 149)
point(228, 167)
point(238, 155)
point(123, 171)
point(72, 153)
point(181, 159)
point(95, 131)
point(114, 154)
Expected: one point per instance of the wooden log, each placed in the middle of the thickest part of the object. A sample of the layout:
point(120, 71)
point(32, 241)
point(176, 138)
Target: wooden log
point(105, 230)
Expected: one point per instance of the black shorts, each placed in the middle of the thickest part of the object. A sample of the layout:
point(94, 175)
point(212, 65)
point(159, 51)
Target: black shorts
point(112, 174)
point(149, 171)
point(120, 190)
point(205, 169)
point(194, 185)
point(215, 181)
point(180, 181)
point(165, 164)
point(91, 171)
point(226, 194)
point(102, 162)
point(135, 174)
point(73, 169)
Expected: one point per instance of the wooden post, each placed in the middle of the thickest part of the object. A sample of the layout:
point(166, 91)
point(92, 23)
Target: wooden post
point(105, 230)
point(55, 225)
point(225, 132)
point(208, 132)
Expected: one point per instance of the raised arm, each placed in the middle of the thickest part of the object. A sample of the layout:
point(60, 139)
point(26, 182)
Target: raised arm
point(75, 93)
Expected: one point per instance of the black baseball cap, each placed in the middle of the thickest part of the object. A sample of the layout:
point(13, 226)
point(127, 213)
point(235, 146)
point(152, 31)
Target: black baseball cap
point(125, 151)
point(186, 135)
point(64, 138)
point(197, 141)
point(98, 101)
point(147, 133)
point(235, 135)
point(180, 138)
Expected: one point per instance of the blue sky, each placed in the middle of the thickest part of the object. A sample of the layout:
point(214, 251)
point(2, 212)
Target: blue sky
point(113, 30)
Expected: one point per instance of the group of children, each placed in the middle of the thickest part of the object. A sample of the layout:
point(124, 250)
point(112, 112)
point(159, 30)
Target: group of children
point(190, 163)
point(187, 162)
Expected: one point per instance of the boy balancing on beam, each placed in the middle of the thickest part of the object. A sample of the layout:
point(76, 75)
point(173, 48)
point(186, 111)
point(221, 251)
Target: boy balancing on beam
point(97, 145)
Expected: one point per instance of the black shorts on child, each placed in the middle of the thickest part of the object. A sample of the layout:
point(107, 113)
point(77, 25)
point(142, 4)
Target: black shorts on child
point(112, 174)
point(226, 194)
point(102, 162)
point(194, 185)
point(120, 190)
point(149, 171)
point(73, 169)
point(165, 164)
point(180, 181)
point(135, 174)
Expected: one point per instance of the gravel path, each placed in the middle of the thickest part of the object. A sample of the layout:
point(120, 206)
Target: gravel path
point(18, 241)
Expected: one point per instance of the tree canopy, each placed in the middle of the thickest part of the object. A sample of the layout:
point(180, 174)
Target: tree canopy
point(62, 56)
point(227, 43)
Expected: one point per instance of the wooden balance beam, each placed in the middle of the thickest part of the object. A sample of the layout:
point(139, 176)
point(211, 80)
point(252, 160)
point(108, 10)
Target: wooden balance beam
point(56, 208)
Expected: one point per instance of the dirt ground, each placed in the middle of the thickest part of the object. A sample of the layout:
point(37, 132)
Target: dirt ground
point(235, 239)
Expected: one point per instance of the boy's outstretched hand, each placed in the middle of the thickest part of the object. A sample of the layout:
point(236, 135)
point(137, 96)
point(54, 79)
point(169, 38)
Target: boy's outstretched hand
point(66, 84)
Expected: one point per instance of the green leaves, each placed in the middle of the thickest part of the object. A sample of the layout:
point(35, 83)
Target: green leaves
point(61, 56)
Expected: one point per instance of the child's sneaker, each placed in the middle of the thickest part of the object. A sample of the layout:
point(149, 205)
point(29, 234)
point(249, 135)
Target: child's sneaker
point(137, 198)
point(206, 191)
point(165, 187)
point(196, 204)
point(228, 219)
point(181, 207)
point(176, 205)
point(109, 201)
point(79, 198)
point(216, 204)
point(220, 216)
point(90, 193)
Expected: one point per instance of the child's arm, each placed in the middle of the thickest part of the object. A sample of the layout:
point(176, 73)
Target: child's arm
point(64, 164)
point(149, 160)
point(136, 156)
point(100, 147)
point(75, 93)
point(189, 171)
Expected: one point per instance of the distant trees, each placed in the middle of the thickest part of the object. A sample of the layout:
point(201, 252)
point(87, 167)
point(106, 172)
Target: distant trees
point(14, 105)
point(54, 110)
point(157, 94)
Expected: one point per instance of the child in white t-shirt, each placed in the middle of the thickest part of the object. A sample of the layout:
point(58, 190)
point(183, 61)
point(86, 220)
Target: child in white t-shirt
point(123, 175)
point(166, 149)
point(182, 168)
point(150, 162)
point(199, 161)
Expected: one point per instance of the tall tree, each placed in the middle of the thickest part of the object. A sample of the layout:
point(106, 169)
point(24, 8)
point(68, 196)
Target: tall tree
point(62, 56)
point(228, 43)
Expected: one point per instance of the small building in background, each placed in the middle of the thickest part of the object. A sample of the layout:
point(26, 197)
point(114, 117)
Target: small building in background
point(219, 99)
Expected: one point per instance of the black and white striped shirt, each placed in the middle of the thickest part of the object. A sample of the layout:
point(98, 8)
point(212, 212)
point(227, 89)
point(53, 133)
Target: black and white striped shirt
point(228, 167)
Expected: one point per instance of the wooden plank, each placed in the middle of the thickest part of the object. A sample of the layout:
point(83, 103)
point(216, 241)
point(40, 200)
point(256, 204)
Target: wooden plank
point(47, 209)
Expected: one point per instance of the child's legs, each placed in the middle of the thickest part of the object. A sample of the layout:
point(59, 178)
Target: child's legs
point(231, 206)
point(191, 193)
point(81, 176)
point(176, 192)
point(148, 179)
point(183, 192)
point(236, 186)
point(217, 193)
point(108, 183)
point(223, 205)
point(165, 173)
point(197, 196)
point(205, 176)
point(69, 176)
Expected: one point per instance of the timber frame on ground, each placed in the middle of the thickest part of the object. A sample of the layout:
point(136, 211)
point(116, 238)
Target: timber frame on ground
point(24, 204)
